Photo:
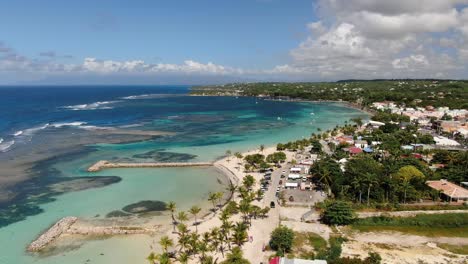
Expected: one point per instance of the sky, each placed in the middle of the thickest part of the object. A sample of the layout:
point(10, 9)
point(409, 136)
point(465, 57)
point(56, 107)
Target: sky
point(220, 41)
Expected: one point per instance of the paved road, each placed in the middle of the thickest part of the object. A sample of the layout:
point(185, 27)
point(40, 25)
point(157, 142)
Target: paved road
point(325, 147)
point(275, 178)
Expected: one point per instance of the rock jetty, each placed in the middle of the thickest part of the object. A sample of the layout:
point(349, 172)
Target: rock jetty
point(54, 232)
point(72, 226)
point(104, 164)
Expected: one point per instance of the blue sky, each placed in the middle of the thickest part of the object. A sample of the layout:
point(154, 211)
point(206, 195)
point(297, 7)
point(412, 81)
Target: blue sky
point(240, 33)
point(179, 41)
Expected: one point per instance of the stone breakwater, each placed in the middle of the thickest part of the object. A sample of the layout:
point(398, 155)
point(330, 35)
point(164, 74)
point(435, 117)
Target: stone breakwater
point(104, 164)
point(53, 233)
point(71, 226)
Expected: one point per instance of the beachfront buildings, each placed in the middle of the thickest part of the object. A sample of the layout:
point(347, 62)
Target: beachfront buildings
point(449, 191)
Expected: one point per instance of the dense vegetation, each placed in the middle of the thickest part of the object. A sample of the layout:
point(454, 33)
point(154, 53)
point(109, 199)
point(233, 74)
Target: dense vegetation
point(408, 92)
point(227, 238)
point(454, 224)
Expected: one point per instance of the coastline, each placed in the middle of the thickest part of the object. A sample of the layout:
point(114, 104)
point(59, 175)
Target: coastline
point(297, 100)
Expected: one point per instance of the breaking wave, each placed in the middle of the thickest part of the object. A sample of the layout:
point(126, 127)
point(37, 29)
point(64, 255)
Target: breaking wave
point(91, 106)
point(147, 96)
point(4, 147)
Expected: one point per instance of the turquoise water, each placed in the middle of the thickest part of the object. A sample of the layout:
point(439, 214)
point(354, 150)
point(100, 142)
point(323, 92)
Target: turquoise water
point(205, 127)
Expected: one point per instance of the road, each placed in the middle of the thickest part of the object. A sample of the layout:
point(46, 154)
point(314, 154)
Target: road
point(325, 147)
point(270, 195)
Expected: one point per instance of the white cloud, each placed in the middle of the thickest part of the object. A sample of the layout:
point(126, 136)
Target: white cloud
point(411, 62)
point(384, 39)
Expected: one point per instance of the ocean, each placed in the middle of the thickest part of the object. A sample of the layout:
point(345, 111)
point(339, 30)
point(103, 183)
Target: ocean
point(49, 136)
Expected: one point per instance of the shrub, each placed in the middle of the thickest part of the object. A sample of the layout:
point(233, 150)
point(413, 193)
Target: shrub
point(338, 213)
point(282, 240)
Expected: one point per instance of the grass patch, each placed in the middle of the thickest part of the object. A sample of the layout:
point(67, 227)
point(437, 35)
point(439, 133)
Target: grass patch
point(307, 244)
point(451, 225)
point(457, 249)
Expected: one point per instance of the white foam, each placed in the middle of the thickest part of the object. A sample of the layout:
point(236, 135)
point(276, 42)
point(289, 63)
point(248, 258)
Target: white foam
point(146, 96)
point(1, 140)
point(4, 147)
point(60, 125)
point(18, 133)
point(91, 106)
point(96, 128)
point(33, 130)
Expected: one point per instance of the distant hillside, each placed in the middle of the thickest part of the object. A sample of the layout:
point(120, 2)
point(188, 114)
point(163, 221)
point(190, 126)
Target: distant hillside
point(451, 93)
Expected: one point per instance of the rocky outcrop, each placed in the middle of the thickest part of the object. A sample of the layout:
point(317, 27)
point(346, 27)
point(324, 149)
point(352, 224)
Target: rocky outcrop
point(54, 232)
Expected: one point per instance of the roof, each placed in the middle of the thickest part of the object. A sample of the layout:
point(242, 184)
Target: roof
point(291, 184)
point(301, 261)
point(354, 150)
point(275, 260)
point(368, 150)
point(450, 189)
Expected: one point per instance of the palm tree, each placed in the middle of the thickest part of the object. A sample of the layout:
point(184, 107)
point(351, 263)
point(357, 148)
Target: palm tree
point(171, 206)
point(152, 258)
point(219, 197)
point(238, 155)
point(235, 257)
point(195, 210)
point(165, 243)
point(182, 216)
point(212, 197)
point(240, 234)
point(248, 181)
point(326, 179)
point(183, 258)
point(225, 231)
point(370, 180)
point(228, 154)
point(262, 148)
point(245, 208)
point(357, 184)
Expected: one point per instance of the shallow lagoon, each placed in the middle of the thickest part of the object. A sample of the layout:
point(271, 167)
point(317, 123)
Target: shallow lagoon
point(206, 127)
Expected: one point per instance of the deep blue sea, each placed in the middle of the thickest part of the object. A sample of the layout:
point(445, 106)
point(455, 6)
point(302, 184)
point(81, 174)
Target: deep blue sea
point(51, 135)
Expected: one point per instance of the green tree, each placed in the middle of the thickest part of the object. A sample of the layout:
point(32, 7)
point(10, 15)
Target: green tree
point(195, 210)
point(239, 235)
point(406, 174)
point(182, 216)
point(171, 206)
point(282, 239)
point(338, 213)
point(165, 243)
point(248, 181)
point(235, 257)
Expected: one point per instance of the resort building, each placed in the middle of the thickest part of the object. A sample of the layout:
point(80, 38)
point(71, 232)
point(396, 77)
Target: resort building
point(449, 191)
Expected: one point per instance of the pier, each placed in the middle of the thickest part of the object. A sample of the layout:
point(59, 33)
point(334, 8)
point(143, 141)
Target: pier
point(104, 164)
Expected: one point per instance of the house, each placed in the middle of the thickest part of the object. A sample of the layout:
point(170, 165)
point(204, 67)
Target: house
point(360, 144)
point(449, 191)
point(443, 141)
point(354, 151)
point(368, 150)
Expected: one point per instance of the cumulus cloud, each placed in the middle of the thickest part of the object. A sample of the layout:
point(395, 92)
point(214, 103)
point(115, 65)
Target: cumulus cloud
point(384, 39)
point(349, 39)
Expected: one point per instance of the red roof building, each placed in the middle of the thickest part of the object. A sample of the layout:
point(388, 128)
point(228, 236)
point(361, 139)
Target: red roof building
point(354, 150)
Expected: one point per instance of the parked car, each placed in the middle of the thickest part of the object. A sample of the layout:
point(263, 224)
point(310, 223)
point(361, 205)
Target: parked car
point(272, 204)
